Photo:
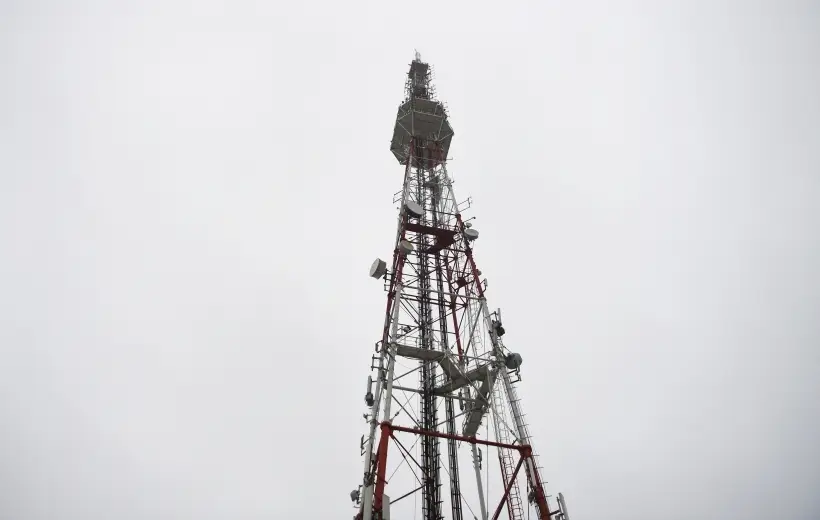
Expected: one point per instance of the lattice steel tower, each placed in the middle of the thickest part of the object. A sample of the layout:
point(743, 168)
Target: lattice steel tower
point(442, 388)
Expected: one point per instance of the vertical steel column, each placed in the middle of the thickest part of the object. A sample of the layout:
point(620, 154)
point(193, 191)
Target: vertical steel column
point(431, 503)
point(389, 332)
point(452, 448)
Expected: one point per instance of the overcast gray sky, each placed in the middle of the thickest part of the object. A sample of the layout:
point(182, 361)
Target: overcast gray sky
point(191, 194)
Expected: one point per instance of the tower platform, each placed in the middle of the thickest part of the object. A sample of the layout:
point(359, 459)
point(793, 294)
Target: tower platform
point(423, 118)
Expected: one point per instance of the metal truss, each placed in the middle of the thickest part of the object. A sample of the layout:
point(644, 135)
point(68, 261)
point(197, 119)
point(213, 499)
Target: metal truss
point(441, 370)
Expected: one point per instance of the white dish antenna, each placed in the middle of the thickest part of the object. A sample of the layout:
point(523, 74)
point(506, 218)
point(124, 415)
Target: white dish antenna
point(414, 209)
point(405, 247)
point(470, 234)
point(378, 269)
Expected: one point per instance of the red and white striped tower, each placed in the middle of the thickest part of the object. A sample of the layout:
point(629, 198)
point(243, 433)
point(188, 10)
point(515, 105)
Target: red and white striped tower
point(447, 436)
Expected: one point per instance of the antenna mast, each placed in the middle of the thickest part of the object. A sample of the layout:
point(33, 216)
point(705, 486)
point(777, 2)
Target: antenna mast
point(446, 435)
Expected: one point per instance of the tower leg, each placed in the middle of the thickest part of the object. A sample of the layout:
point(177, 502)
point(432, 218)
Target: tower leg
point(390, 351)
point(381, 467)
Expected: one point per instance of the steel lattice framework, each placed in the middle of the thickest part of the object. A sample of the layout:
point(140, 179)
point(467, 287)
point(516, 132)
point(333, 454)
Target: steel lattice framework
point(442, 390)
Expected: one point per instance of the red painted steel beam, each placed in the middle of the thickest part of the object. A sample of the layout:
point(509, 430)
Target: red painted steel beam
point(523, 448)
point(509, 487)
point(453, 310)
point(504, 475)
point(540, 496)
point(469, 251)
point(381, 469)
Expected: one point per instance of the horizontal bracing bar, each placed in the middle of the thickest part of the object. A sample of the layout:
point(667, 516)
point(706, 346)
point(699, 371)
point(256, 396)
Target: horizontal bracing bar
point(416, 390)
point(525, 449)
point(405, 495)
point(414, 297)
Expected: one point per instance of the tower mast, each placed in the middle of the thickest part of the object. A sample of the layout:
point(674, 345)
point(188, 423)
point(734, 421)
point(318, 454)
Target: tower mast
point(441, 347)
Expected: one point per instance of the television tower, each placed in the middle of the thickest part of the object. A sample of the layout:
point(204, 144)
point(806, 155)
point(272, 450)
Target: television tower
point(447, 436)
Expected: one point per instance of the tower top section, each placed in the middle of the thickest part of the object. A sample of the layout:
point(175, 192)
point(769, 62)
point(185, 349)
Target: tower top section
point(421, 122)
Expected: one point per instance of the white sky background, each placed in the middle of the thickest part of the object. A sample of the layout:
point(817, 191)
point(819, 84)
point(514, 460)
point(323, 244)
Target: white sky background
point(191, 194)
